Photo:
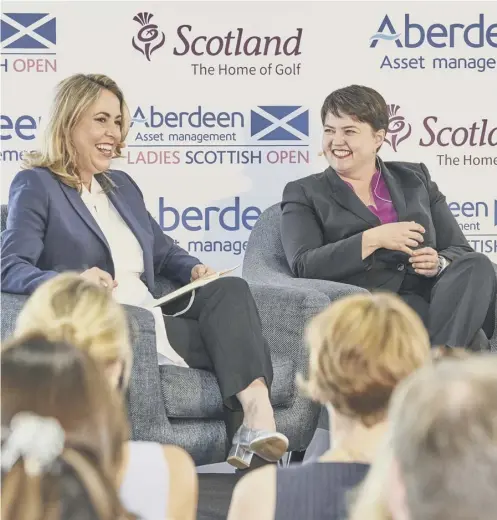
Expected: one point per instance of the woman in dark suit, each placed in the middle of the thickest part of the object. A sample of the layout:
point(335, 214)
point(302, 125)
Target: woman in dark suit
point(69, 211)
point(385, 226)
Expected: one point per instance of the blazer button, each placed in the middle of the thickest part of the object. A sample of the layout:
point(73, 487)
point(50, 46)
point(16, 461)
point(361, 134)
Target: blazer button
point(400, 267)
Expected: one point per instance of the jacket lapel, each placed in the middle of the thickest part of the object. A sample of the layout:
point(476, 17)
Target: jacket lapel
point(346, 197)
point(80, 207)
point(396, 192)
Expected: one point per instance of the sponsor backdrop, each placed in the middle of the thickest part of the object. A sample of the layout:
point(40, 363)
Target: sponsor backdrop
point(225, 99)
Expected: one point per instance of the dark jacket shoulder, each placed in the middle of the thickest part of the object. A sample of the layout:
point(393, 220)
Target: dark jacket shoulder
point(402, 169)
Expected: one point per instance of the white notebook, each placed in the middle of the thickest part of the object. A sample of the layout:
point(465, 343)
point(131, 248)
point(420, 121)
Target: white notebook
point(191, 286)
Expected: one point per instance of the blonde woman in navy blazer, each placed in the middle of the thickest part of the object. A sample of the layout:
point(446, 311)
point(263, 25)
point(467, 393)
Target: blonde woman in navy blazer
point(51, 229)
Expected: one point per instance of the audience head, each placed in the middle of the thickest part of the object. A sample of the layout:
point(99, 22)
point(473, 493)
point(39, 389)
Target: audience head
point(88, 125)
point(72, 309)
point(361, 347)
point(444, 442)
point(63, 431)
point(355, 121)
point(383, 490)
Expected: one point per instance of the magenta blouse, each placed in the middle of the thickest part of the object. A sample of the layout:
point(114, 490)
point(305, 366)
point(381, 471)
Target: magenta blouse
point(384, 209)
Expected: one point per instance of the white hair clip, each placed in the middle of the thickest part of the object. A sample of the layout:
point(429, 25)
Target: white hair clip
point(38, 440)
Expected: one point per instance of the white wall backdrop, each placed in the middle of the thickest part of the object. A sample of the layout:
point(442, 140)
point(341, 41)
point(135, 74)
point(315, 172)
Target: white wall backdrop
point(221, 123)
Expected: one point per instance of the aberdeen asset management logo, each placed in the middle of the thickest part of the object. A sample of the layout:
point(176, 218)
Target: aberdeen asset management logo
point(279, 123)
point(389, 36)
point(149, 37)
point(398, 130)
point(476, 34)
point(28, 32)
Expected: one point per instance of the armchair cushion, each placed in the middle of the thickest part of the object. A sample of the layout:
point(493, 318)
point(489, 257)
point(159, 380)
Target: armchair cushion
point(163, 286)
point(194, 394)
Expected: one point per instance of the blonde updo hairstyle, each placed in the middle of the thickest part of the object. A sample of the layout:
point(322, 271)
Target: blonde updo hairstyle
point(360, 348)
point(72, 309)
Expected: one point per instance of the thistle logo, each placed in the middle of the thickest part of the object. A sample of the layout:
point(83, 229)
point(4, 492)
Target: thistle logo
point(149, 38)
point(392, 36)
point(398, 130)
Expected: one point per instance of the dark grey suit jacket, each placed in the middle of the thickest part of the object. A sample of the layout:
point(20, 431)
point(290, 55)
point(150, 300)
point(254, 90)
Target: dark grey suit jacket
point(323, 221)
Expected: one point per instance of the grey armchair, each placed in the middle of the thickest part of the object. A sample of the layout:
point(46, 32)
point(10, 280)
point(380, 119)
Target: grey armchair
point(183, 406)
point(265, 263)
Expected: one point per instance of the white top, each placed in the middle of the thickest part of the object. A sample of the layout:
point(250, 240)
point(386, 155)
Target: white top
point(145, 487)
point(127, 256)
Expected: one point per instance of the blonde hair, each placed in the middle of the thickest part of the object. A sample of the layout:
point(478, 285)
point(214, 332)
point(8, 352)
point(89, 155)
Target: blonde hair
point(72, 309)
point(360, 348)
point(73, 98)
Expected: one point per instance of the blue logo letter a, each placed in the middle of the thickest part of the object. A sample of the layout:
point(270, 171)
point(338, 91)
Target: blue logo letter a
point(138, 117)
point(386, 24)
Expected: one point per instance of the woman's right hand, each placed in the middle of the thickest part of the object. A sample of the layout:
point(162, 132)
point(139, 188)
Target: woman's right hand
point(397, 236)
point(99, 277)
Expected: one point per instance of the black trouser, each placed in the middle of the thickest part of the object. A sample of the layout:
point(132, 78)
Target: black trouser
point(455, 305)
point(221, 332)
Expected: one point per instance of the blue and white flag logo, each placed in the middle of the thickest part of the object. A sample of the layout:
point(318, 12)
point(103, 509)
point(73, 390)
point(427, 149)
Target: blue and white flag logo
point(33, 31)
point(279, 123)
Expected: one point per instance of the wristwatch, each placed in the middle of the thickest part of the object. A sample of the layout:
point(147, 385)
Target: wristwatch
point(442, 264)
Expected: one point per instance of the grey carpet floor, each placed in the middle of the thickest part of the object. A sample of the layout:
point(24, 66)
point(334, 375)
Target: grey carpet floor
point(214, 498)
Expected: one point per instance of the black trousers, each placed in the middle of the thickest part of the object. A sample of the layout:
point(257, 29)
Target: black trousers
point(458, 303)
point(221, 332)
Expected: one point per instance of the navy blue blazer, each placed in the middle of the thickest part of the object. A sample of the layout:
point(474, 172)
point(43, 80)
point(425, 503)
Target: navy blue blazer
point(50, 230)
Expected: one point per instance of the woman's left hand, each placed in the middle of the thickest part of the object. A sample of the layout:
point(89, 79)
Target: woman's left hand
point(201, 270)
point(425, 261)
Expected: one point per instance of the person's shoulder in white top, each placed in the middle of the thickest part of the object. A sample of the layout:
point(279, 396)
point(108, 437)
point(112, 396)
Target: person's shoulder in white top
point(158, 482)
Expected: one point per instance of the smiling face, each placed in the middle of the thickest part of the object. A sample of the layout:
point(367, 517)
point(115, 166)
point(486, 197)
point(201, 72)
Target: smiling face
point(97, 135)
point(349, 145)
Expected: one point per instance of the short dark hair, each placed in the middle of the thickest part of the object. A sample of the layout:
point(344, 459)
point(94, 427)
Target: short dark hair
point(361, 103)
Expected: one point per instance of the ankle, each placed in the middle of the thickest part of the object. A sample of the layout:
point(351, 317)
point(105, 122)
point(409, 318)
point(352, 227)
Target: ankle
point(260, 418)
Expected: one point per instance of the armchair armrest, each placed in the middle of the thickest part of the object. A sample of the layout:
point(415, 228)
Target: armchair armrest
point(145, 404)
point(284, 312)
point(11, 307)
point(146, 408)
point(334, 290)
